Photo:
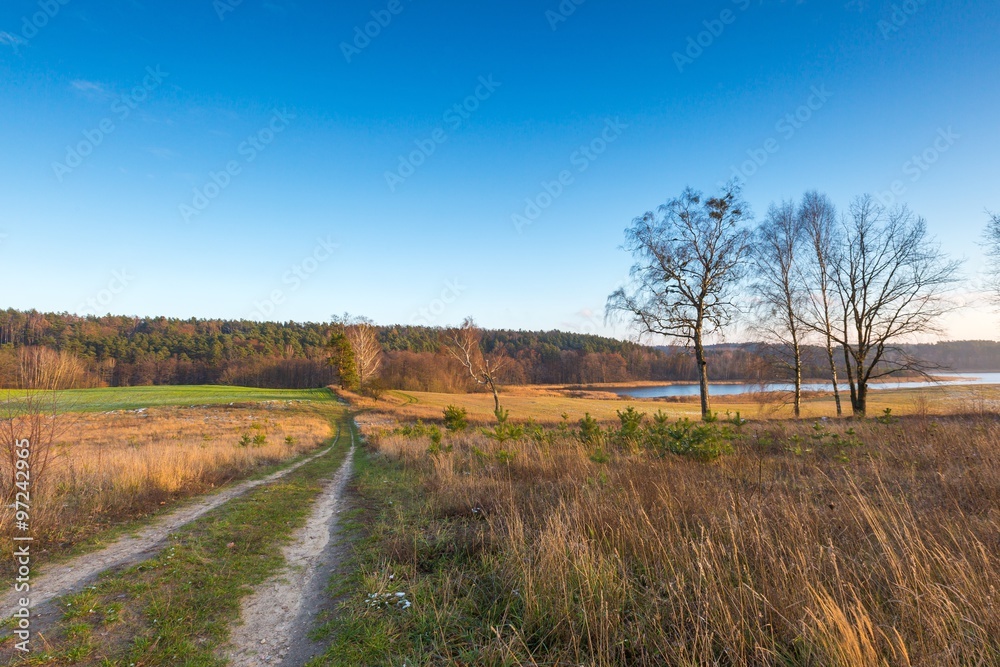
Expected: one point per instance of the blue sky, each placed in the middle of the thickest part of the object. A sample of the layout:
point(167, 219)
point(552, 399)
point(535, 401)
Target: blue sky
point(260, 159)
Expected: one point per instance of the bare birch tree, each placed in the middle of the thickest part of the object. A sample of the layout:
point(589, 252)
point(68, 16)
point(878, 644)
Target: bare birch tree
point(890, 279)
point(465, 345)
point(367, 350)
point(363, 336)
point(778, 289)
point(690, 257)
point(818, 220)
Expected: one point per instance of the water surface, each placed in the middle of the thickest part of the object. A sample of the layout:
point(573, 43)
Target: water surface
point(724, 389)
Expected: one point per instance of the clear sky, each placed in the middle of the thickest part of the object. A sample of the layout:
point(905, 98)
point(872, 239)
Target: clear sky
point(269, 159)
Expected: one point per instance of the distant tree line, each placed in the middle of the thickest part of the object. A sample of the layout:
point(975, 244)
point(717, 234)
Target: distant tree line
point(125, 351)
point(130, 351)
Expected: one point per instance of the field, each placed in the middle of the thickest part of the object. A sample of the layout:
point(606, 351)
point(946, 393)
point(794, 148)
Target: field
point(628, 539)
point(177, 604)
point(547, 404)
point(132, 398)
point(837, 542)
point(114, 459)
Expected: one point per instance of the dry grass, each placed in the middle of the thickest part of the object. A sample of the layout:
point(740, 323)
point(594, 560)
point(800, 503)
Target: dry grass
point(547, 404)
point(878, 547)
point(113, 467)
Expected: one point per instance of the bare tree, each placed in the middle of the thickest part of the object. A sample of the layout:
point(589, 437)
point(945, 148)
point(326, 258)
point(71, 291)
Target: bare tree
point(45, 368)
point(33, 413)
point(778, 289)
point(465, 345)
point(363, 336)
point(818, 221)
point(890, 279)
point(689, 260)
point(993, 253)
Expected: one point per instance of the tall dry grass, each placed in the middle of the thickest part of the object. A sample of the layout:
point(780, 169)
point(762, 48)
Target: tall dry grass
point(878, 547)
point(109, 468)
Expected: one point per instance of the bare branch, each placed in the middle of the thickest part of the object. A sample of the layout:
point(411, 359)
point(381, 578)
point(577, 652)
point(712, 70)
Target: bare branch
point(891, 279)
point(690, 257)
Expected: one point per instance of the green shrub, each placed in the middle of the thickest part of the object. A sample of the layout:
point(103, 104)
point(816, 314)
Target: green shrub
point(563, 425)
point(538, 433)
point(421, 430)
point(590, 430)
point(504, 429)
point(630, 434)
point(455, 418)
point(504, 456)
point(599, 456)
point(886, 417)
point(702, 441)
point(373, 389)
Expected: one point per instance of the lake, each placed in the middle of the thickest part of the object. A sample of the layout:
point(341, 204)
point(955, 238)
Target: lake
point(723, 389)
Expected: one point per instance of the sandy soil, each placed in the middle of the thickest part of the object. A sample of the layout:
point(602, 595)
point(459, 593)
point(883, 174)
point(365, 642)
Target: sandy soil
point(277, 617)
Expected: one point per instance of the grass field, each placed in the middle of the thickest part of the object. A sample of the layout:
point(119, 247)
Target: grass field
point(177, 607)
point(547, 404)
point(850, 543)
point(132, 398)
point(119, 455)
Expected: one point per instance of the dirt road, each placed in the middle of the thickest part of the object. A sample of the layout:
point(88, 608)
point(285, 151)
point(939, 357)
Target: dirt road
point(277, 617)
point(64, 578)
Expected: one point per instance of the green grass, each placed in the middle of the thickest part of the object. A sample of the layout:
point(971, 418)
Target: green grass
point(176, 608)
point(132, 398)
point(402, 545)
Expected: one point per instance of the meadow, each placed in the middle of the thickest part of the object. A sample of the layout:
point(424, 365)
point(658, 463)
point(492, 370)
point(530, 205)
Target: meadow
point(645, 541)
point(548, 404)
point(133, 398)
point(113, 459)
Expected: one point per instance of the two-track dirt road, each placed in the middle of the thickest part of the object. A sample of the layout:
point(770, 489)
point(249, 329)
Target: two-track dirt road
point(275, 619)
